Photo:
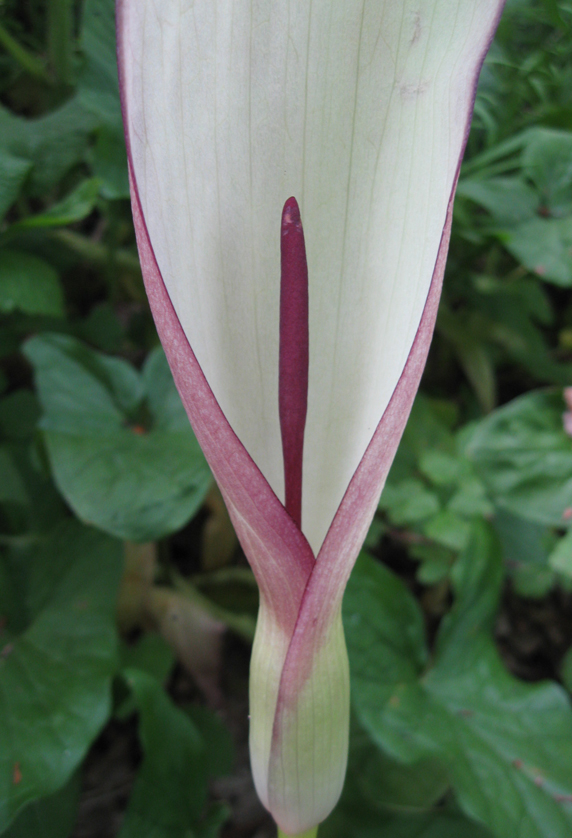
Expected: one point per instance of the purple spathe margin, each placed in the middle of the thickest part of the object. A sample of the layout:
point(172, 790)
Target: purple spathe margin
point(279, 554)
point(305, 595)
point(324, 593)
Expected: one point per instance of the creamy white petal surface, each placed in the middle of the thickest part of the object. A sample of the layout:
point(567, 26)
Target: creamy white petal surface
point(360, 110)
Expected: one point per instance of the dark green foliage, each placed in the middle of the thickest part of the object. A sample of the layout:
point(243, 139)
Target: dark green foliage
point(446, 741)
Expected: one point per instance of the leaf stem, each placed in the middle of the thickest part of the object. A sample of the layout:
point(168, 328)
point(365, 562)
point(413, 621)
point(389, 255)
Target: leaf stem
point(28, 62)
point(96, 252)
point(101, 255)
point(61, 39)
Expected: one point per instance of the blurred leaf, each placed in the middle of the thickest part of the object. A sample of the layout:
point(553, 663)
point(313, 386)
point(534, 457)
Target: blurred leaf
point(544, 246)
point(74, 207)
point(48, 817)
point(510, 200)
point(504, 743)
point(12, 486)
point(55, 678)
point(102, 328)
point(44, 507)
point(99, 93)
point(383, 797)
point(98, 86)
point(408, 502)
point(560, 558)
point(448, 529)
point(566, 670)
point(151, 654)
point(525, 547)
point(428, 428)
point(19, 413)
point(29, 284)
point(436, 562)
point(170, 791)
point(470, 499)
point(534, 224)
point(52, 143)
point(219, 748)
point(387, 784)
point(510, 314)
point(130, 466)
point(440, 468)
point(80, 389)
point(110, 163)
point(525, 458)
point(348, 822)
point(547, 161)
point(13, 173)
point(472, 353)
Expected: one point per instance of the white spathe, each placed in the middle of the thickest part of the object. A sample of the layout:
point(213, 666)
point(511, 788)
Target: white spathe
point(360, 110)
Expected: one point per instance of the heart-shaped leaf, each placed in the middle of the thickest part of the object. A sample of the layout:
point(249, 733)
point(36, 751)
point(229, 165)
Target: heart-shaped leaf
point(121, 448)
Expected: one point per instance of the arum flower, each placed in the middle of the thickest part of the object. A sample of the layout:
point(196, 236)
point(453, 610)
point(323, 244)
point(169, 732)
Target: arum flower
point(298, 395)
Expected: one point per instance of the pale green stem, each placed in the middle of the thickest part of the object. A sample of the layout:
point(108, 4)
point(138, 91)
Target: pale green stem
point(311, 833)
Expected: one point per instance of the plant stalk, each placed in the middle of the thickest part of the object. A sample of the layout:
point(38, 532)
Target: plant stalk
point(27, 61)
point(61, 39)
point(311, 833)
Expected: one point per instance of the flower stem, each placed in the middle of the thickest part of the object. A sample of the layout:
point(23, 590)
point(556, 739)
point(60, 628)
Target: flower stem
point(311, 833)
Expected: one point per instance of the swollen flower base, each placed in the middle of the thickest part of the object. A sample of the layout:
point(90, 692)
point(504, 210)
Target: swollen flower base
point(298, 391)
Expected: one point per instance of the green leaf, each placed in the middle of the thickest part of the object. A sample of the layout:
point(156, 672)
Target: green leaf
point(505, 744)
point(219, 749)
point(55, 678)
point(81, 390)
point(470, 499)
point(448, 529)
point(547, 161)
point(359, 823)
point(120, 445)
point(526, 548)
point(48, 817)
point(13, 173)
point(99, 93)
point(29, 284)
point(12, 486)
point(436, 561)
point(98, 86)
point(560, 558)
point(52, 143)
point(74, 207)
point(19, 414)
point(109, 163)
point(170, 790)
point(440, 468)
point(428, 428)
point(150, 654)
point(524, 457)
point(383, 797)
point(408, 502)
point(566, 670)
point(472, 354)
point(387, 784)
point(544, 246)
point(509, 200)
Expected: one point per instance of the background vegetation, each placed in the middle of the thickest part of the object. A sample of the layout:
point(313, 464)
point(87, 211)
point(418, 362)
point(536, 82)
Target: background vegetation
point(126, 607)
